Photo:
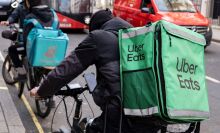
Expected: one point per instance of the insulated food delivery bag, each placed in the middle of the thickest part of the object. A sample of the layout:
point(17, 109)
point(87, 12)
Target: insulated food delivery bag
point(163, 72)
point(46, 46)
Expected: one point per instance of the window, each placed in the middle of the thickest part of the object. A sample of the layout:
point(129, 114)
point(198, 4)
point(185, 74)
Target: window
point(175, 5)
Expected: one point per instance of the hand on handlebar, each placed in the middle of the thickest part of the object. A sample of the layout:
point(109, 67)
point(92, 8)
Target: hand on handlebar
point(33, 92)
point(4, 23)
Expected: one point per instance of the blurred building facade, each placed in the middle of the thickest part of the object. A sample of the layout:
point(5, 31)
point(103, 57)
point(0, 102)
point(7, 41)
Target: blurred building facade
point(102, 4)
point(209, 8)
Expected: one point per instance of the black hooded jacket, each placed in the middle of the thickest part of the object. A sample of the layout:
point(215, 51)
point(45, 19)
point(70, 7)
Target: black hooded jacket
point(42, 14)
point(18, 15)
point(101, 48)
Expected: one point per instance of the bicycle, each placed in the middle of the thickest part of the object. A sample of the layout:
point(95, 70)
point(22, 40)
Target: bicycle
point(78, 125)
point(33, 74)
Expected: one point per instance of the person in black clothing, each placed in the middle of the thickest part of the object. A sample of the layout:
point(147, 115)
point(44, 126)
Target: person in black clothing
point(101, 48)
point(39, 10)
point(17, 16)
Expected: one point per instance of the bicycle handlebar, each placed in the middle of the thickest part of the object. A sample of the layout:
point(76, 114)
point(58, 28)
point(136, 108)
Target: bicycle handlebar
point(12, 33)
point(90, 86)
point(74, 90)
point(71, 92)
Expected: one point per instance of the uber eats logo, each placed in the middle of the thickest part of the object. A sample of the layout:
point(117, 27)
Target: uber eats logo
point(183, 66)
point(135, 52)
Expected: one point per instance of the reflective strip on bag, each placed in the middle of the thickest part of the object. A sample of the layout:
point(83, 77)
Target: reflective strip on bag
point(141, 112)
point(184, 34)
point(137, 32)
point(35, 22)
point(187, 113)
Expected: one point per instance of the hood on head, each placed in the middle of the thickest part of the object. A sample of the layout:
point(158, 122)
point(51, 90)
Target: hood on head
point(116, 24)
point(99, 18)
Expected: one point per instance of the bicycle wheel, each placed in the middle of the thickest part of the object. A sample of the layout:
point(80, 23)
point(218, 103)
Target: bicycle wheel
point(7, 71)
point(43, 107)
point(20, 88)
point(30, 83)
point(82, 125)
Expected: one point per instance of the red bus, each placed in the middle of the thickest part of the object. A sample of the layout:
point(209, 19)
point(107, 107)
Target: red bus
point(73, 14)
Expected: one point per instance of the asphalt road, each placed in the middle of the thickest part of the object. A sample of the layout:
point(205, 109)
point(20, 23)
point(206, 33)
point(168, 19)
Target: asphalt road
point(212, 61)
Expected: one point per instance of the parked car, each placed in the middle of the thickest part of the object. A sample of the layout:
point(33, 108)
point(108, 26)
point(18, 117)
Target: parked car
point(5, 9)
point(180, 12)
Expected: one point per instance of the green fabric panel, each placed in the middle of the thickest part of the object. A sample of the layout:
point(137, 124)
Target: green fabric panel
point(157, 74)
point(138, 84)
point(184, 73)
point(139, 89)
point(136, 52)
point(183, 32)
point(177, 85)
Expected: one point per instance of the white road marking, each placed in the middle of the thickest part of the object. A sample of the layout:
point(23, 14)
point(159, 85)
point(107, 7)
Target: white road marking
point(1, 56)
point(3, 88)
point(212, 79)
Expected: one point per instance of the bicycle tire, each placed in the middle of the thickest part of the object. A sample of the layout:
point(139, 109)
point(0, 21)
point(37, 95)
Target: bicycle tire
point(6, 70)
point(34, 77)
point(40, 111)
point(30, 79)
point(42, 105)
point(20, 88)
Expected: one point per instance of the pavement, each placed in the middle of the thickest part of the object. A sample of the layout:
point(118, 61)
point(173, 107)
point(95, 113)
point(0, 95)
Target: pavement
point(216, 33)
point(10, 121)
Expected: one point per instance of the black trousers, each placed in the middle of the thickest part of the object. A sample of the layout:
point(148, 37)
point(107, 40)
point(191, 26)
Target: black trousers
point(109, 122)
point(14, 51)
point(133, 126)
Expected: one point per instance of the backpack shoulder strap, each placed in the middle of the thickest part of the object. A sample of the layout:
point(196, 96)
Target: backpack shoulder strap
point(55, 22)
point(38, 25)
point(34, 22)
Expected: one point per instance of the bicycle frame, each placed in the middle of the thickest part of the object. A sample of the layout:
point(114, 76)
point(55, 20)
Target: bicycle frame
point(74, 92)
point(77, 116)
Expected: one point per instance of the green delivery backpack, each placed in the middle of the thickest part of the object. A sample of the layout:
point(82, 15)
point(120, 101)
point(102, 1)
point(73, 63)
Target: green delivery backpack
point(46, 46)
point(163, 73)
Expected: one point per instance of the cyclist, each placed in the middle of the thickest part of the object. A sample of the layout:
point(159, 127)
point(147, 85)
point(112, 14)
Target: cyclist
point(39, 10)
point(17, 15)
point(101, 48)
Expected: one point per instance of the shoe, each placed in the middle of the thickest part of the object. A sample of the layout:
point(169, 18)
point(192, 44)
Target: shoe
point(19, 74)
point(86, 123)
